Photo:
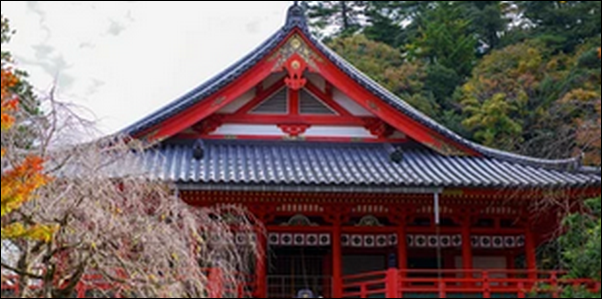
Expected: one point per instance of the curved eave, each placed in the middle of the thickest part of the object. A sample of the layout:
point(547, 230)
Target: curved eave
point(368, 167)
point(238, 69)
point(210, 87)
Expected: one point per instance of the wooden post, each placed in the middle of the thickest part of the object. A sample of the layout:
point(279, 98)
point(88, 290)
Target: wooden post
point(295, 100)
point(261, 266)
point(392, 286)
point(216, 286)
point(81, 290)
point(531, 253)
point(486, 285)
point(467, 258)
point(521, 290)
point(402, 249)
point(337, 259)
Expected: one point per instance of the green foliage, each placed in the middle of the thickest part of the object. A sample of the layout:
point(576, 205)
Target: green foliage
point(563, 25)
point(383, 26)
point(488, 20)
point(386, 65)
point(24, 90)
point(445, 39)
point(492, 122)
point(6, 35)
point(522, 76)
point(582, 247)
point(344, 18)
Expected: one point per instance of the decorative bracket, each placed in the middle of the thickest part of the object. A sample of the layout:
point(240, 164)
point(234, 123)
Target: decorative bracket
point(294, 130)
point(295, 66)
point(378, 128)
point(209, 125)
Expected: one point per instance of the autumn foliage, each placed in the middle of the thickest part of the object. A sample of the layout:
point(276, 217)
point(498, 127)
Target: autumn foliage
point(20, 181)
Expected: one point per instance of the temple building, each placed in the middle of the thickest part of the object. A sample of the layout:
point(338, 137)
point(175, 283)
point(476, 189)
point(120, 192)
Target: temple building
point(361, 195)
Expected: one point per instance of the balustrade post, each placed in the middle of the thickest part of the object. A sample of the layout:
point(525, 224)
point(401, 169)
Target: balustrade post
point(442, 289)
point(393, 284)
point(555, 286)
point(364, 291)
point(486, 285)
point(80, 289)
point(216, 286)
point(521, 290)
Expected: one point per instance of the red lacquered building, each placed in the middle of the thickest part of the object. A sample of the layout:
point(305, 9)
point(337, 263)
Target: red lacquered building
point(362, 196)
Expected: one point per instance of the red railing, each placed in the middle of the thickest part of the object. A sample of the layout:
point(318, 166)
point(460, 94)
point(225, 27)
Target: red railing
point(459, 283)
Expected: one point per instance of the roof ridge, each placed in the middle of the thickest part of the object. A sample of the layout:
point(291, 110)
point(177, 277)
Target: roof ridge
point(296, 19)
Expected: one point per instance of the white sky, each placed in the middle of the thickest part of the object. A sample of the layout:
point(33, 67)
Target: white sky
point(124, 59)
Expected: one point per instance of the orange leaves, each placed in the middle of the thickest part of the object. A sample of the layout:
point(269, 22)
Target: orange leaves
point(9, 103)
point(19, 184)
point(18, 187)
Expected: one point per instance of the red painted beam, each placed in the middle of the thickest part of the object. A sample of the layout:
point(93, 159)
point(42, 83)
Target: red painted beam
point(377, 106)
point(191, 136)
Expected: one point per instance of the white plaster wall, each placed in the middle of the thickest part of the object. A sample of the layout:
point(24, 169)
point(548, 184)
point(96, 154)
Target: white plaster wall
point(239, 102)
point(316, 80)
point(242, 130)
point(328, 131)
point(349, 104)
point(272, 79)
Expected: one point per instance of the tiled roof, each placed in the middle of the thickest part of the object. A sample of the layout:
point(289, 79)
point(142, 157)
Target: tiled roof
point(306, 164)
point(296, 20)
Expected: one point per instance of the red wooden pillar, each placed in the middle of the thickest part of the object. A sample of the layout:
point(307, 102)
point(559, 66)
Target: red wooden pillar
point(261, 266)
point(402, 249)
point(393, 290)
point(531, 252)
point(337, 260)
point(467, 257)
point(294, 104)
point(402, 260)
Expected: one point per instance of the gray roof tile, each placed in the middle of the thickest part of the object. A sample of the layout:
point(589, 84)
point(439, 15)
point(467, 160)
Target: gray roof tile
point(345, 165)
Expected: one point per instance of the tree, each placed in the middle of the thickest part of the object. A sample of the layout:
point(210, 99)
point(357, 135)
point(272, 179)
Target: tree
point(445, 39)
point(386, 65)
point(550, 98)
point(563, 24)
point(22, 177)
point(489, 20)
point(336, 18)
point(101, 222)
point(582, 249)
point(382, 24)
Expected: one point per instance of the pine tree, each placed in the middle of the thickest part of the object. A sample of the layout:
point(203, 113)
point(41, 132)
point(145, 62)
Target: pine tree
point(336, 18)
